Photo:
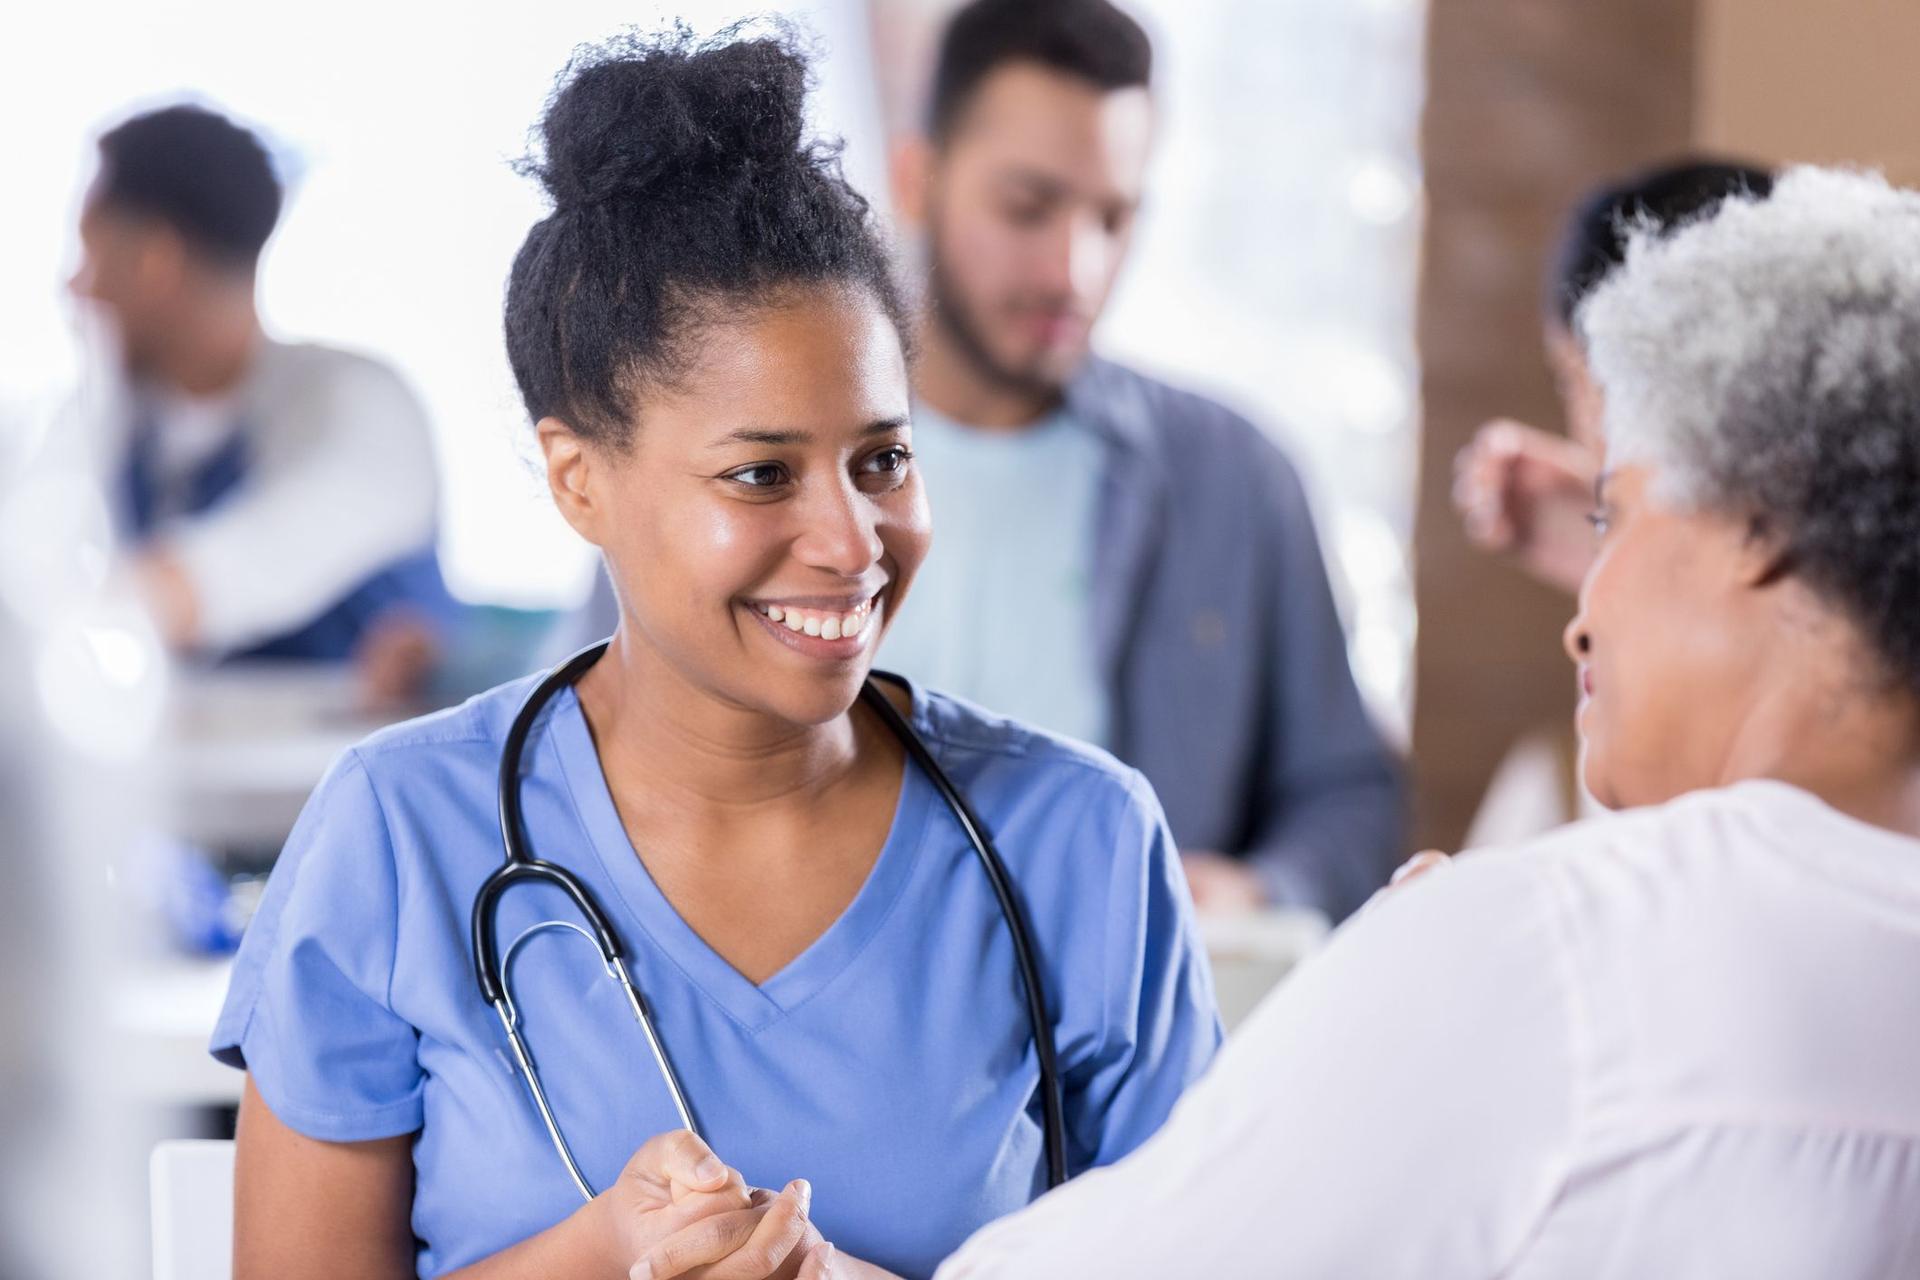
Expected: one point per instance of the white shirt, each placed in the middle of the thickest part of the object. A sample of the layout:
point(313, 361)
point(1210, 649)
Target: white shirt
point(341, 483)
point(1001, 611)
point(1678, 1042)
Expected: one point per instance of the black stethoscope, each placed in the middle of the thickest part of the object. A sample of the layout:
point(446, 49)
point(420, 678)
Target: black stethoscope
point(490, 964)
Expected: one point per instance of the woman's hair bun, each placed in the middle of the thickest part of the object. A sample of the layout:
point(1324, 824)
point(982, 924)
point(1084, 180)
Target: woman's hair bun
point(681, 177)
point(636, 115)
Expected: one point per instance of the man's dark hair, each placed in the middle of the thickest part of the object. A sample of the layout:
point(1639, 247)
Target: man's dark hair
point(1594, 239)
point(196, 171)
point(683, 188)
point(1090, 39)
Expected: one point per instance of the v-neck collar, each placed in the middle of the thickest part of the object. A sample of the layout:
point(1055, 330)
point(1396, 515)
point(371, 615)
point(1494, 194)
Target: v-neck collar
point(754, 1007)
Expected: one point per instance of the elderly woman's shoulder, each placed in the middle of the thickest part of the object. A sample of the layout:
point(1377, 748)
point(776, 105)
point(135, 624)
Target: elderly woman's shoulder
point(1724, 848)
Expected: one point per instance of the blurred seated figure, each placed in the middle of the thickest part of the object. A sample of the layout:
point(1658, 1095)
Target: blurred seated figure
point(275, 500)
point(1681, 1040)
point(1525, 491)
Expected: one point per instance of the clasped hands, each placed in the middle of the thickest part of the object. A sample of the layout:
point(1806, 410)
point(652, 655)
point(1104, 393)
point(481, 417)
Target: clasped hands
point(678, 1210)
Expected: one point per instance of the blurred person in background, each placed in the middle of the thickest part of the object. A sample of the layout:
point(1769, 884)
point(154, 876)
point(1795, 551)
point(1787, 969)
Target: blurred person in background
point(275, 500)
point(1527, 493)
point(1118, 560)
point(1524, 491)
point(1682, 1040)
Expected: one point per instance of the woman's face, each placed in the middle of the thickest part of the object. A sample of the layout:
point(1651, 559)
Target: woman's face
point(766, 519)
point(1668, 639)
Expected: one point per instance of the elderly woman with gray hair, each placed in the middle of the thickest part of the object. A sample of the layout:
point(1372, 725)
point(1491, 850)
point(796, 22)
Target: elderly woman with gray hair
point(1683, 1039)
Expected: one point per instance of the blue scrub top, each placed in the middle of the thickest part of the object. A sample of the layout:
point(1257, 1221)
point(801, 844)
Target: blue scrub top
point(890, 1063)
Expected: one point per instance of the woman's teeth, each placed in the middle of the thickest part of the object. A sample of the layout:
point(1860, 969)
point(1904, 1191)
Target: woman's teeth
point(816, 622)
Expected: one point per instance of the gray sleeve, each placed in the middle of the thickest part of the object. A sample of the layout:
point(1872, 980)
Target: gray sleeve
point(1329, 809)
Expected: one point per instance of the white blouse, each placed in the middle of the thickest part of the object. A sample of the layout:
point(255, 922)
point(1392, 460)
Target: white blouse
point(1676, 1042)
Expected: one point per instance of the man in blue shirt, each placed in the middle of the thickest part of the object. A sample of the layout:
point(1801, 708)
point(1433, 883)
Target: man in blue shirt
point(1115, 559)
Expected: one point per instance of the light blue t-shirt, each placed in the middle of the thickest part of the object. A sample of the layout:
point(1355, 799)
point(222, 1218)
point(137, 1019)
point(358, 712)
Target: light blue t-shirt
point(1001, 611)
point(891, 1063)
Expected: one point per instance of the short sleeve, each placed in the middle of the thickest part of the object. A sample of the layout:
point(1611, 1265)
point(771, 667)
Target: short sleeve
point(308, 1012)
point(1161, 1023)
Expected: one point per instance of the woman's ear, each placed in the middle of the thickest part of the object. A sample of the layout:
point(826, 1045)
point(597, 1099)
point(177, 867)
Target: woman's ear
point(572, 477)
point(1765, 556)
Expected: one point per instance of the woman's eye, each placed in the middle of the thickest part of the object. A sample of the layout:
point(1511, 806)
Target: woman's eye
point(761, 475)
point(1601, 519)
point(890, 461)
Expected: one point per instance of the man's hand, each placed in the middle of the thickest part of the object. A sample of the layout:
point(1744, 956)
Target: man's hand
point(1527, 493)
point(1220, 885)
point(163, 584)
point(394, 660)
point(1426, 862)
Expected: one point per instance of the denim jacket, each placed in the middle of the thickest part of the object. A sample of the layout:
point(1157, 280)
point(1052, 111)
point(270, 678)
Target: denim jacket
point(1217, 637)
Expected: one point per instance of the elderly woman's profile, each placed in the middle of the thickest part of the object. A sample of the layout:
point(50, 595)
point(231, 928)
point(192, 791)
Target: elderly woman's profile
point(1682, 1039)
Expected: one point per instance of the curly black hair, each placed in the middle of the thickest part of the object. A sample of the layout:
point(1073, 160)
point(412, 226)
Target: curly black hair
point(1593, 242)
point(683, 188)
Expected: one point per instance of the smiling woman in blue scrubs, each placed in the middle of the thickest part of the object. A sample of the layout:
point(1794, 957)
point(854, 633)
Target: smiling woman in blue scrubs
point(707, 336)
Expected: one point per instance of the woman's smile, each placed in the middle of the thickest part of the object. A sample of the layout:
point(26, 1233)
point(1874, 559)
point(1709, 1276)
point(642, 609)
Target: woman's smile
point(825, 627)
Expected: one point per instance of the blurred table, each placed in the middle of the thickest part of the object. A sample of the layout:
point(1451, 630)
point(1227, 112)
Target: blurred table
point(248, 743)
point(162, 1019)
point(245, 745)
point(1253, 951)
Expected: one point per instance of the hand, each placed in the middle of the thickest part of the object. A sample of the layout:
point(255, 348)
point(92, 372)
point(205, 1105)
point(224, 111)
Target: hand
point(769, 1240)
point(1527, 493)
point(672, 1182)
point(161, 580)
point(1423, 863)
point(1221, 885)
point(1418, 865)
point(678, 1210)
point(393, 660)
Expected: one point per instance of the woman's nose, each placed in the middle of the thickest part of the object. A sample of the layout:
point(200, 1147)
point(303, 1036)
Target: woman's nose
point(1578, 642)
point(841, 531)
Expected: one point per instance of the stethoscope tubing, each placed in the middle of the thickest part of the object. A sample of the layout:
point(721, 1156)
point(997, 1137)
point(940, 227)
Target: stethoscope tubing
point(521, 867)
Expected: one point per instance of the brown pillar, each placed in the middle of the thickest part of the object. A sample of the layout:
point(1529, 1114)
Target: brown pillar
point(1529, 102)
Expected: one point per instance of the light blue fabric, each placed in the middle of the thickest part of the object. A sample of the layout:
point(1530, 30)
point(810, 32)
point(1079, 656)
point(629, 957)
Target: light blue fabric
point(1001, 612)
point(890, 1063)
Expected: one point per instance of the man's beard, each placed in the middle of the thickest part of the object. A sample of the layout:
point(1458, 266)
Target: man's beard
point(948, 309)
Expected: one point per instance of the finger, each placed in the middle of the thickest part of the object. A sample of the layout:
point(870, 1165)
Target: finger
point(697, 1205)
point(818, 1264)
point(700, 1244)
point(780, 1232)
point(1418, 865)
point(680, 1157)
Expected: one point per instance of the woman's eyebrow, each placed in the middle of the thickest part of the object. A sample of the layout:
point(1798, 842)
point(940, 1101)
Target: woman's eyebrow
point(790, 435)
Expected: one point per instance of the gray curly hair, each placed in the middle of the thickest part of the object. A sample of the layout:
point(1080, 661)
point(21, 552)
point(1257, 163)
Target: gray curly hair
point(1765, 360)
